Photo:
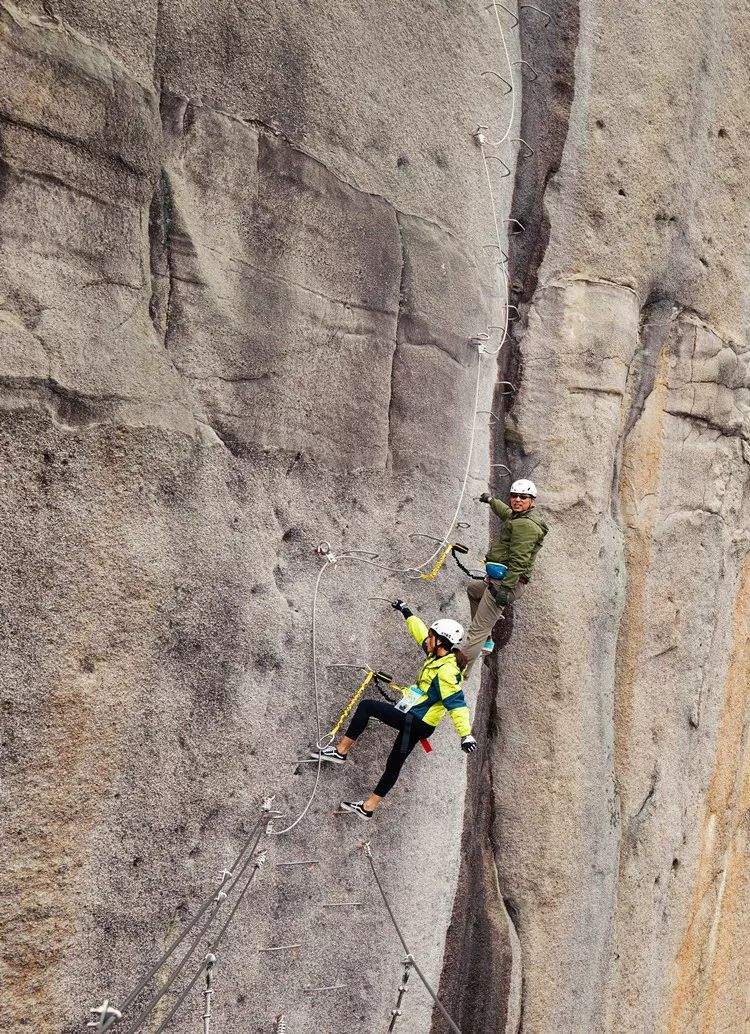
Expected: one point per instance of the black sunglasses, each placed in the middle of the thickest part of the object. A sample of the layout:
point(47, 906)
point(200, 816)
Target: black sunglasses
point(520, 495)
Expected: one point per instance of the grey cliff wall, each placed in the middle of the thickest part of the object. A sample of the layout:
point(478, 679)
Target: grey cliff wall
point(242, 257)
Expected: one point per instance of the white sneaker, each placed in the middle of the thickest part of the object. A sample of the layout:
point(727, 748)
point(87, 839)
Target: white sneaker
point(357, 808)
point(329, 754)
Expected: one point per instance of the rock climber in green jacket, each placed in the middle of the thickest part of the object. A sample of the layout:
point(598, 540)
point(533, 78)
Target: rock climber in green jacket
point(509, 563)
point(437, 692)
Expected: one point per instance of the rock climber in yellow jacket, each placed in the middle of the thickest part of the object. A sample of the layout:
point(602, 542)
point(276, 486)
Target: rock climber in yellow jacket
point(438, 691)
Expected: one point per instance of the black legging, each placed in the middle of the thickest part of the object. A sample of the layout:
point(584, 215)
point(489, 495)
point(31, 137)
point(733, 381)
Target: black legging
point(411, 731)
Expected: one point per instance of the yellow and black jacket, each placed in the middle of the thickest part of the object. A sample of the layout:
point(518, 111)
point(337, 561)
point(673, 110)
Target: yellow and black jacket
point(440, 685)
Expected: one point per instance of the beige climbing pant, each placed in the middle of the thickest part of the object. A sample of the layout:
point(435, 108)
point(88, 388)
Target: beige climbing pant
point(485, 613)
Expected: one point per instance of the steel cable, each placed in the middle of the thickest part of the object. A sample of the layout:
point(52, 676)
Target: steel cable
point(417, 970)
point(143, 982)
point(416, 569)
point(220, 898)
point(211, 950)
point(496, 143)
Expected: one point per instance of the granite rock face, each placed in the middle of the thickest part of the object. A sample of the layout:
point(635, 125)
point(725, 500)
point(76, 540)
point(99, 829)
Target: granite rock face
point(620, 768)
point(244, 253)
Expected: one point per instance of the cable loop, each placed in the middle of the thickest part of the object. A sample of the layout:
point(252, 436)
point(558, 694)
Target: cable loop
point(505, 82)
point(528, 64)
point(507, 11)
point(538, 10)
point(527, 152)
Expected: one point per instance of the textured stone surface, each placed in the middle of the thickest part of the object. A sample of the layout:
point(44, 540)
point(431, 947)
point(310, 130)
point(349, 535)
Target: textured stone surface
point(242, 253)
point(620, 771)
point(237, 292)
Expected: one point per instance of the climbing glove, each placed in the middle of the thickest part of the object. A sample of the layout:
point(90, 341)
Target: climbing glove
point(502, 595)
point(468, 744)
point(485, 497)
point(402, 607)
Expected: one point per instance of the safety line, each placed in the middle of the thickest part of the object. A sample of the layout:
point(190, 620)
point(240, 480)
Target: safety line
point(314, 637)
point(417, 970)
point(201, 970)
point(503, 263)
point(218, 895)
point(219, 900)
point(417, 569)
point(211, 948)
point(186, 930)
point(349, 707)
point(506, 134)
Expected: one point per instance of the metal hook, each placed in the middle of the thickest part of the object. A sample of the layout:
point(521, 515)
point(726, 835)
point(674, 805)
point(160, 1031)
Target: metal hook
point(514, 233)
point(494, 158)
point(502, 80)
point(502, 251)
point(477, 340)
point(502, 8)
point(422, 535)
point(528, 64)
point(528, 151)
point(531, 7)
point(487, 412)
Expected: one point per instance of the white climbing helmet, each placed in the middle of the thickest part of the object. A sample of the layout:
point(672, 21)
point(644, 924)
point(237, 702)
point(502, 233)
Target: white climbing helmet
point(523, 487)
point(449, 630)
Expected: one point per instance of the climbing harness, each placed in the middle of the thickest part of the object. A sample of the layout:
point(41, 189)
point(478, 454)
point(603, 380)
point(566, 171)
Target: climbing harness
point(402, 989)
point(397, 928)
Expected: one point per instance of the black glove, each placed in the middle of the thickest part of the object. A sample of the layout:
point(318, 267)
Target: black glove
point(468, 744)
point(402, 607)
point(502, 595)
point(485, 497)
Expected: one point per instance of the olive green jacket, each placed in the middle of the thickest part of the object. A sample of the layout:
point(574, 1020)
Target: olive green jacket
point(518, 543)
